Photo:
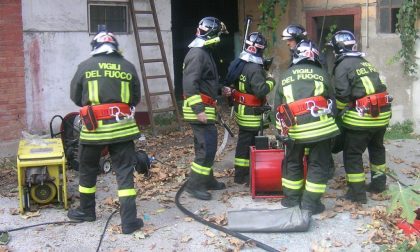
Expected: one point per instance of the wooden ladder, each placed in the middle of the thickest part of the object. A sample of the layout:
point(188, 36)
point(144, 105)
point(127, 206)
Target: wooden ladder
point(145, 77)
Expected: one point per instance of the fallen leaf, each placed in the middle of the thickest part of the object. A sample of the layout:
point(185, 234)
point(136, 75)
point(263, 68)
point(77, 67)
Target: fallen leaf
point(28, 215)
point(186, 239)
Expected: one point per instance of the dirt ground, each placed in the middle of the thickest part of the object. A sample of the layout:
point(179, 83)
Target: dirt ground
point(342, 227)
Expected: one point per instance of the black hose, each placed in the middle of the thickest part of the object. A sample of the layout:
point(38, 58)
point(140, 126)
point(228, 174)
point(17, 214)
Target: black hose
point(103, 232)
point(39, 224)
point(217, 227)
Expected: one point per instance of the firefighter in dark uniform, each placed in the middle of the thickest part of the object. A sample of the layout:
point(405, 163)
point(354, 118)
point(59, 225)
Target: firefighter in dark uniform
point(365, 109)
point(304, 111)
point(249, 96)
point(107, 88)
point(201, 87)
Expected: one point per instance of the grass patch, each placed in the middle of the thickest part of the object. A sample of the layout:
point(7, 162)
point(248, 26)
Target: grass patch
point(400, 130)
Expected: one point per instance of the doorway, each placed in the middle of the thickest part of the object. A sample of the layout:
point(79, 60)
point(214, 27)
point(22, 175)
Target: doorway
point(322, 24)
point(185, 17)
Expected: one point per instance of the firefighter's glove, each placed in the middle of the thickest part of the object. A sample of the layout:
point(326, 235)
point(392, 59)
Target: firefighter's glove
point(202, 117)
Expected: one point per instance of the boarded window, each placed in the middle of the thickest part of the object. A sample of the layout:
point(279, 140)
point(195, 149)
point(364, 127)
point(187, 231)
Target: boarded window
point(388, 10)
point(113, 15)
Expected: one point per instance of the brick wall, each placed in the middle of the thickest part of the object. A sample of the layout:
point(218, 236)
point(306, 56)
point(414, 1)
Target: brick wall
point(12, 81)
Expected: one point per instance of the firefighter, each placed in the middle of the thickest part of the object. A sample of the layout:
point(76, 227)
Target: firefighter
point(365, 109)
point(201, 87)
point(107, 88)
point(249, 92)
point(303, 104)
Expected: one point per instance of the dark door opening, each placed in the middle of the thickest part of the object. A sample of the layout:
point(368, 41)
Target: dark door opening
point(185, 17)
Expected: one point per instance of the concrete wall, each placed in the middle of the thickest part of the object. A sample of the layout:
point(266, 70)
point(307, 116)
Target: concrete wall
point(12, 85)
point(56, 40)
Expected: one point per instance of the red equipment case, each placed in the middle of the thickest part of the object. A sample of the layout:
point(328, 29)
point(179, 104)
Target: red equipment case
point(266, 170)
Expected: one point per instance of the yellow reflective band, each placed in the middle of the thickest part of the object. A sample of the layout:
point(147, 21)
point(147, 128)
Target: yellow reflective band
point(242, 86)
point(200, 169)
point(111, 131)
point(190, 115)
point(126, 192)
point(367, 83)
point(242, 162)
point(125, 91)
point(93, 92)
point(319, 88)
point(192, 100)
point(87, 190)
point(290, 184)
point(278, 125)
point(340, 105)
point(314, 133)
point(355, 177)
point(378, 168)
point(315, 188)
point(288, 94)
point(212, 41)
point(353, 118)
point(270, 84)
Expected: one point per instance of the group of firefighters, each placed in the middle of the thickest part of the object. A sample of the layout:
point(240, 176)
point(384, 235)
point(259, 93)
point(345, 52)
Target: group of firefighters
point(314, 112)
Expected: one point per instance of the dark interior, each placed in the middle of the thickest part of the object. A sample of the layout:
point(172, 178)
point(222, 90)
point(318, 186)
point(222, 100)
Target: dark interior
point(185, 17)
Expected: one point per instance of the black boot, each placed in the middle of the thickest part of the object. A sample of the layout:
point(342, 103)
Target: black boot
point(197, 186)
point(81, 215)
point(290, 202)
point(128, 213)
point(241, 176)
point(133, 226)
point(356, 193)
point(86, 210)
point(213, 184)
point(312, 202)
point(377, 184)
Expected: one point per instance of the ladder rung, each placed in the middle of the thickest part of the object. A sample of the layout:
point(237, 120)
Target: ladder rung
point(152, 60)
point(146, 28)
point(155, 76)
point(149, 44)
point(143, 12)
point(160, 93)
point(163, 110)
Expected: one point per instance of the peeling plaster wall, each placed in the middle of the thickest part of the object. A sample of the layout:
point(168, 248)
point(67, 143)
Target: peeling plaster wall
point(56, 40)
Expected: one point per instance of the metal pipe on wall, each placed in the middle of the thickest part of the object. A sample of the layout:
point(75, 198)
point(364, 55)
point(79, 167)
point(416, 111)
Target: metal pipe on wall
point(367, 23)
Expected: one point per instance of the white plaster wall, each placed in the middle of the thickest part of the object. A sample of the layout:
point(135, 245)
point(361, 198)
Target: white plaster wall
point(56, 40)
point(416, 91)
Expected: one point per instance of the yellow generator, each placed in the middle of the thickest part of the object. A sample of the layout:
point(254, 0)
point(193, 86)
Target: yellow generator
point(41, 166)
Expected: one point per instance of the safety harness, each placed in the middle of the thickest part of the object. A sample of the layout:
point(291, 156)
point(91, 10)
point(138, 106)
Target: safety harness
point(90, 114)
point(372, 104)
point(247, 99)
point(316, 106)
point(208, 100)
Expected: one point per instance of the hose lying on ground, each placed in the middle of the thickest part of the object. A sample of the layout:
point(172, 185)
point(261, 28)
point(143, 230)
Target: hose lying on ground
point(217, 227)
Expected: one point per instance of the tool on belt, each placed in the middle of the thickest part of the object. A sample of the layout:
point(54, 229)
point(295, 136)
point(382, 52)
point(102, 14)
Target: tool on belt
point(247, 99)
point(316, 106)
point(90, 114)
point(372, 104)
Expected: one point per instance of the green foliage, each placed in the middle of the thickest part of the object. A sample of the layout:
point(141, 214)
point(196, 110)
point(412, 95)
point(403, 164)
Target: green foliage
point(165, 119)
point(405, 198)
point(406, 26)
point(399, 130)
point(402, 247)
point(328, 37)
point(270, 19)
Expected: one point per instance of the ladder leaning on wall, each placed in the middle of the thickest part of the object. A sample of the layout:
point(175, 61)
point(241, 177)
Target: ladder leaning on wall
point(156, 61)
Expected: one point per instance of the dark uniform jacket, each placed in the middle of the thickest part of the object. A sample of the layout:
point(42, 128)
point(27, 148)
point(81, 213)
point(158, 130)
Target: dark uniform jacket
point(354, 78)
point(253, 80)
point(199, 76)
point(101, 79)
point(303, 81)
